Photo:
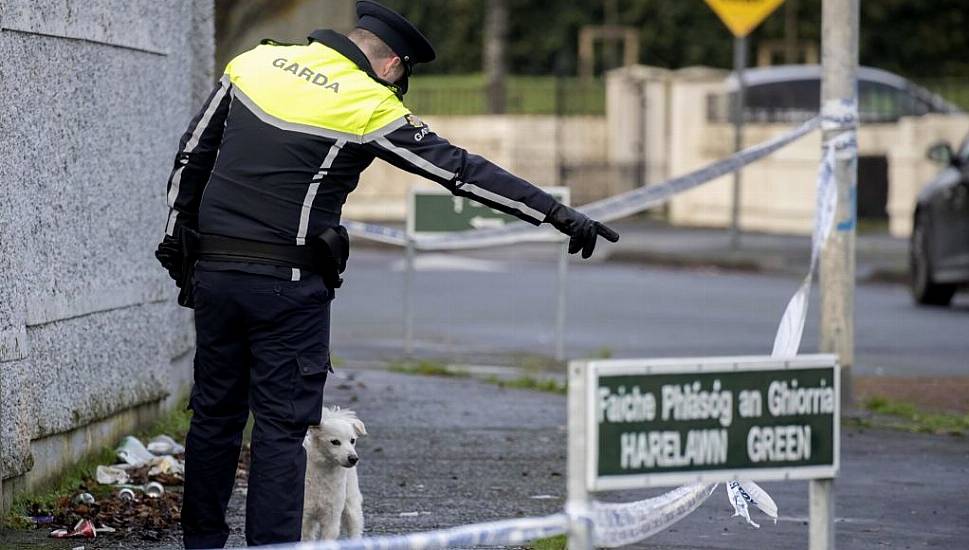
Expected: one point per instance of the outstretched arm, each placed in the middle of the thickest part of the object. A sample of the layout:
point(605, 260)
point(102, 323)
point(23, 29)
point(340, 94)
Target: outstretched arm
point(412, 146)
point(417, 149)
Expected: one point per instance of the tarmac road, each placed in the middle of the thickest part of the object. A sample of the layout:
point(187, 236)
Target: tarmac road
point(503, 300)
point(442, 452)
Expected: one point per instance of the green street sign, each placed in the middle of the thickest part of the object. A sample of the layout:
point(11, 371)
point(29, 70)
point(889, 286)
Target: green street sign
point(438, 211)
point(667, 422)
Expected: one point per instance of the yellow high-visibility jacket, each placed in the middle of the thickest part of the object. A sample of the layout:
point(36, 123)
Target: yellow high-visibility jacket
point(284, 136)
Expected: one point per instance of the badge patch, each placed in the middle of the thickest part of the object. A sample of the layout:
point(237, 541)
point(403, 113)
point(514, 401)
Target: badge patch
point(414, 121)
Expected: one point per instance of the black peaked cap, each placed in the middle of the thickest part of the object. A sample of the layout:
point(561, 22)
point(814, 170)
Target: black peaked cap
point(396, 31)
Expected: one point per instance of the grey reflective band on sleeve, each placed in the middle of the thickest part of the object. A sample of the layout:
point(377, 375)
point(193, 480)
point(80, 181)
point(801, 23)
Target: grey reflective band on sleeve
point(395, 125)
point(415, 159)
point(190, 146)
point(304, 216)
point(476, 191)
point(172, 218)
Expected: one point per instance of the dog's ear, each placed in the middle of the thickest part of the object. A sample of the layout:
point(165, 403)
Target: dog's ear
point(359, 427)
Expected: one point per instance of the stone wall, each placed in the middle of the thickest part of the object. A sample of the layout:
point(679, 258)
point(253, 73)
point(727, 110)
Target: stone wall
point(93, 98)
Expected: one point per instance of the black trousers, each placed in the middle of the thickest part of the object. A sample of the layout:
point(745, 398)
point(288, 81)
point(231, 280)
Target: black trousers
point(262, 344)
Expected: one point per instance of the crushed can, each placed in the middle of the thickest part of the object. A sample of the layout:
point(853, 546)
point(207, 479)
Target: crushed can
point(83, 498)
point(154, 490)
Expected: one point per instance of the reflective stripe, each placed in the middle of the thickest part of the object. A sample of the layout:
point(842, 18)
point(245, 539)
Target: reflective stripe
point(174, 188)
point(203, 124)
point(502, 200)
point(170, 228)
point(304, 215)
point(399, 123)
point(190, 146)
point(291, 126)
point(427, 166)
point(415, 159)
point(296, 274)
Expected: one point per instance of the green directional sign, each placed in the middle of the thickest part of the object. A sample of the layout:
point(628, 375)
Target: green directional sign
point(676, 421)
point(437, 211)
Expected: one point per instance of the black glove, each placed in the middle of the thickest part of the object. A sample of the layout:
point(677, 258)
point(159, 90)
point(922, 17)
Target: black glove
point(169, 254)
point(581, 228)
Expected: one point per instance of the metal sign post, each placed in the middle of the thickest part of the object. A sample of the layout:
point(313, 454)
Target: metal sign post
point(739, 64)
point(436, 211)
point(578, 505)
point(561, 302)
point(741, 17)
point(649, 423)
point(409, 253)
point(839, 111)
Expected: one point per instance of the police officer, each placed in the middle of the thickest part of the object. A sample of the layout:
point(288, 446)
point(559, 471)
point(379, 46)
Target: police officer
point(255, 197)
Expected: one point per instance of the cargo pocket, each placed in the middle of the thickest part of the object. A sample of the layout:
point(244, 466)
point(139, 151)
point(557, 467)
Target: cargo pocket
point(308, 391)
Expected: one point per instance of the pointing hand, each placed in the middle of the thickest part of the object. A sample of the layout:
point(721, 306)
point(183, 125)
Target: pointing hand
point(583, 230)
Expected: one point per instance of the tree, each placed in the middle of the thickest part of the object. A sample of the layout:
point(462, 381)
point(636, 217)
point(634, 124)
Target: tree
point(495, 59)
point(916, 39)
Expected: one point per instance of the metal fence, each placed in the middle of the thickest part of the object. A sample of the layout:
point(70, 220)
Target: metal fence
point(523, 96)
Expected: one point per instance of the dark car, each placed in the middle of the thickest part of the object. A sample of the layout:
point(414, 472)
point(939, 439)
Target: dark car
point(792, 93)
point(939, 249)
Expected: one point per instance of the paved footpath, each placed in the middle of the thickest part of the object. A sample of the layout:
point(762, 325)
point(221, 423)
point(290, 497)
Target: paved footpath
point(445, 451)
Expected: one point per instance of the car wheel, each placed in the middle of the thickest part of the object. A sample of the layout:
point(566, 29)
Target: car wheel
point(924, 289)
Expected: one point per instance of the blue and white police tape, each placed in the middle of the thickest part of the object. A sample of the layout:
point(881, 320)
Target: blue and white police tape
point(614, 524)
point(374, 232)
point(643, 198)
point(619, 524)
point(612, 208)
point(513, 531)
point(787, 340)
point(626, 523)
point(742, 494)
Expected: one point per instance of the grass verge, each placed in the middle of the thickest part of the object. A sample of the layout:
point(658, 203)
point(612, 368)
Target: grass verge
point(558, 542)
point(906, 416)
point(427, 367)
point(69, 482)
point(174, 423)
point(430, 367)
point(526, 382)
point(467, 94)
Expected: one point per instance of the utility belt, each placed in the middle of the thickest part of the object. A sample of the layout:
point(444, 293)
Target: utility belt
point(325, 255)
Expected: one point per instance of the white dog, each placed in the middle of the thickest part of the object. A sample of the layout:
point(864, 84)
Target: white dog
point(332, 493)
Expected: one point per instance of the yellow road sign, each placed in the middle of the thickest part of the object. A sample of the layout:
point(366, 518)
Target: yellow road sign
point(741, 16)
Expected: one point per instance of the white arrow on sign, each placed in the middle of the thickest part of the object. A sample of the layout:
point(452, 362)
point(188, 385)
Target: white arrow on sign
point(481, 222)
